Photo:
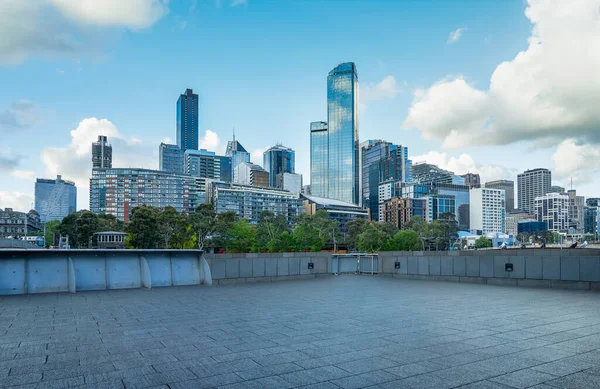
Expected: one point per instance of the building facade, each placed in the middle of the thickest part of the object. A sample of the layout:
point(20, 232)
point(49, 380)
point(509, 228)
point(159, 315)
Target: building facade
point(553, 208)
point(171, 159)
point(381, 161)
point(238, 154)
point(343, 134)
point(291, 182)
point(438, 205)
point(247, 173)
point(119, 191)
point(427, 174)
point(18, 224)
point(576, 212)
point(55, 199)
point(531, 184)
point(101, 153)
point(472, 180)
point(509, 190)
point(513, 218)
point(487, 210)
point(337, 210)
point(187, 121)
point(200, 163)
point(399, 211)
point(249, 201)
point(319, 173)
point(278, 160)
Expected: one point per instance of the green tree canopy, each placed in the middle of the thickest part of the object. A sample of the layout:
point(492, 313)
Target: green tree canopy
point(483, 242)
point(269, 227)
point(353, 229)
point(241, 237)
point(373, 239)
point(143, 228)
point(406, 240)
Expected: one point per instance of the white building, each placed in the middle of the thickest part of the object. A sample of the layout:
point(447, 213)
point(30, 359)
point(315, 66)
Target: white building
point(531, 184)
point(247, 173)
point(553, 209)
point(291, 182)
point(487, 210)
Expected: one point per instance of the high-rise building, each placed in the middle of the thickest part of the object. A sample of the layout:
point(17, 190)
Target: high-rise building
point(187, 121)
point(247, 173)
point(531, 184)
point(576, 211)
point(101, 153)
point(592, 216)
point(487, 210)
point(291, 182)
point(472, 180)
point(509, 190)
point(399, 211)
point(55, 199)
point(343, 134)
point(238, 154)
point(319, 172)
point(223, 169)
point(200, 163)
point(461, 200)
point(118, 191)
point(553, 208)
point(438, 205)
point(249, 201)
point(276, 161)
point(381, 161)
point(170, 159)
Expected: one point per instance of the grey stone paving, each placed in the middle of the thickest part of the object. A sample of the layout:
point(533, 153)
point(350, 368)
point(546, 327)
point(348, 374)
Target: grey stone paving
point(338, 332)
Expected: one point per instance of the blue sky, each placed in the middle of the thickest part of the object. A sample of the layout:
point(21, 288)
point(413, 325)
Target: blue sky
point(261, 67)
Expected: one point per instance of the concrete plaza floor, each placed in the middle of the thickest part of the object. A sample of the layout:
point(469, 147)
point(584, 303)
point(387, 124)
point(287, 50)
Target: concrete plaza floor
point(344, 331)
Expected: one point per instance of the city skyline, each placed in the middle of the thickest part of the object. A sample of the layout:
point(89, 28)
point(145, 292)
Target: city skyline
point(49, 134)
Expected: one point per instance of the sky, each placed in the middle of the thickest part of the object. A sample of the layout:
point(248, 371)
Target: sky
point(483, 86)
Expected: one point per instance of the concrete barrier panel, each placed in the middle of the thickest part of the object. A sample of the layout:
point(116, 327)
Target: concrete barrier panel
point(412, 265)
point(569, 268)
point(47, 274)
point(321, 264)
point(304, 265)
point(533, 268)
point(551, 268)
point(388, 264)
point(472, 264)
point(122, 271)
point(423, 265)
point(160, 269)
point(486, 266)
point(270, 267)
point(246, 267)
point(186, 269)
point(232, 268)
point(90, 272)
point(294, 266)
point(499, 270)
point(403, 265)
point(435, 266)
point(447, 266)
point(258, 267)
point(589, 269)
point(459, 266)
point(12, 276)
point(283, 267)
point(518, 262)
point(218, 269)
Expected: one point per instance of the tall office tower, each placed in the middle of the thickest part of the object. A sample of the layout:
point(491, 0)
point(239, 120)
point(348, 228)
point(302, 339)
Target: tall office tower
point(553, 208)
point(187, 121)
point(509, 190)
point(247, 173)
point(238, 154)
point(343, 139)
point(381, 161)
point(170, 159)
point(101, 153)
point(319, 172)
point(200, 163)
point(487, 210)
point(576, 211)
point(55, 199)
point(223, 168)
point(278, 160)
point(531, 184)
point(472, 180)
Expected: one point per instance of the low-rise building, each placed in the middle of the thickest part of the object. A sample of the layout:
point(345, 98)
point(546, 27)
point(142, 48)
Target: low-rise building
point(553, 208)
point(338, 210)
point(18, 224)
point(247, 173)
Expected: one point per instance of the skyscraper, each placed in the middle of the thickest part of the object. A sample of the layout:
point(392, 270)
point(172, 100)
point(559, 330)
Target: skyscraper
point(531, 184)
point(553, 208)
point(238, 154)
point(381, 161)
point(509, 190)
point(55, 199)
point(101, 153)
point(278, 160)
point(576, 211)
point(487, 210)
point(170, 159)
point(319, 173)
point(343, 139)
point(187, 121)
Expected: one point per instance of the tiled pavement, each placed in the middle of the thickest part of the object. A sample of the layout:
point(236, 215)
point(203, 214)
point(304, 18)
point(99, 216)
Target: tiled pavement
point(344, 331)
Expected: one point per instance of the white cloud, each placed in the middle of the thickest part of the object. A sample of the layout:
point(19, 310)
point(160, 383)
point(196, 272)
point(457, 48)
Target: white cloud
point(211, 142)
point(548, 91)
point(385, 89)
point(74, 162)
point(577, 161)
point(59, 27)
point(18, 201)
point(19, 115)
point(23, 174)
point(464, 163)
point(257, 156)
point(456, 35)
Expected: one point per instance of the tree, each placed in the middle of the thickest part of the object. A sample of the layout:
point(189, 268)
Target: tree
point(143, 228)
point(86, 226)
point(353, 229)
point(169, 222)
point(108, 222)
point(373, 239)
point(483, 242)
point(406, 240)
point(269, 227)
point(68, 227)
point(204, 223)
point(51, 227)
point(284, 242)
point(308, 238)
point(241, 237)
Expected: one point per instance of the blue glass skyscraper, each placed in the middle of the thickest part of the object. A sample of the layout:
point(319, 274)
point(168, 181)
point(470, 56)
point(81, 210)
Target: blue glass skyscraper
point(55, 199)
point(238, 154)
point(318, 159)
point(343, 141)
point(187, 121)
point(278, 160)
point(170, 159)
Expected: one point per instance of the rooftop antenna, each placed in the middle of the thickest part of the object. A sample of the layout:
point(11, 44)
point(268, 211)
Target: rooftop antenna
point(571, 182)
point(234, 133)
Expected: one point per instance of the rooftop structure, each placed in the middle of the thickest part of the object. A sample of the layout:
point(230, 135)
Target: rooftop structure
point(101, 153)
point(338, 210)
point(278, 160)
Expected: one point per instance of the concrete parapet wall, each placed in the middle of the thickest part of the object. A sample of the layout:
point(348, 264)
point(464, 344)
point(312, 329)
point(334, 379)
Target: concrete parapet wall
point(549, 268)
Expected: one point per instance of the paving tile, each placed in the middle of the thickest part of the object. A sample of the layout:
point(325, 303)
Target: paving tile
point(523, 378)
point(364, 380)
point(261, 383)
point(576, 381)
point(414, 369)
point(367, 364)
point(156, 379)
point(208, 382)
point(266, 371)
point(311, 376)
